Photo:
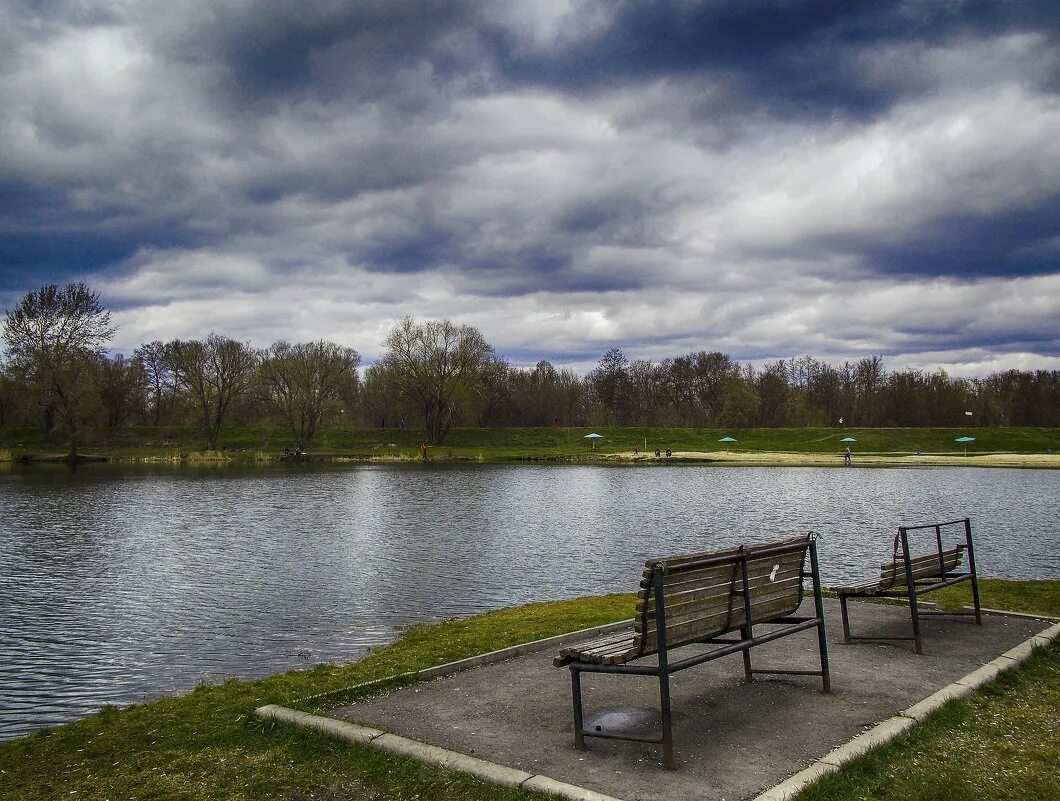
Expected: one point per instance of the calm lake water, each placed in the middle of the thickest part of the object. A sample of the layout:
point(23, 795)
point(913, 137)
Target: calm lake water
point(120, 585)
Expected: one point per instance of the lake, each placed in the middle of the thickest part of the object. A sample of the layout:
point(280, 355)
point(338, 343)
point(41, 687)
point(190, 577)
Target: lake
point(119, 585)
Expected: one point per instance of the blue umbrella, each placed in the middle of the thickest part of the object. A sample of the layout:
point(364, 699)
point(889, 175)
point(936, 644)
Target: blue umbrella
point(965, 440)
point(592, 438)
point(726, 439)
point(848, 439)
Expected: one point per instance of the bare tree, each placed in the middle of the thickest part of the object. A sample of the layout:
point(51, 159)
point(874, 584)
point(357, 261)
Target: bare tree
point(214, 371)
point(492, 391)
point(53, 338)
point(120, 384)
point(302, 382)
point(432, 364)
point(9, 391)
point(157, 375)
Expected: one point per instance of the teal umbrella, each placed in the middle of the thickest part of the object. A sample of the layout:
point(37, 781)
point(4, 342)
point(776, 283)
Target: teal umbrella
point(848, 439)
point(592, 438)
point(726, 439)
point(965, 440)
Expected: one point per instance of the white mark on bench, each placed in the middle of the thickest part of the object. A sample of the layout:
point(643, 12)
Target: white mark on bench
point(773, 573)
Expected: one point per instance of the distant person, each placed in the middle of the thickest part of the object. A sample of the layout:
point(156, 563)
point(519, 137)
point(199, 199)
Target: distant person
point(658, 453)
point(286, 453)
point(846, 456)
point(669, 453)
point(636, 450)
point(423, 450)
point(555, 422)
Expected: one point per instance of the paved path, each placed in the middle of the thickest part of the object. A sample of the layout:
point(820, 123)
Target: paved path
point(732, 740)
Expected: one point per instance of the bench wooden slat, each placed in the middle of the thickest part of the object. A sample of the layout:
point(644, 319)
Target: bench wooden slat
point(917, 561)
point(718, 576)
point(608, 650)
point(923, 568)
point(788, 588)
point(688, 631)
point(893, 574)
point(702, 601)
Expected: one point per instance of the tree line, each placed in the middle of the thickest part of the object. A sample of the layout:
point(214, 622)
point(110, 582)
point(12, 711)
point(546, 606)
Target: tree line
point(58, 374)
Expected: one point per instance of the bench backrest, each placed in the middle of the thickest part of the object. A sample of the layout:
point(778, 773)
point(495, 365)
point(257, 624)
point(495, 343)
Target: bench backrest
point(703, 594)
point(931, 565)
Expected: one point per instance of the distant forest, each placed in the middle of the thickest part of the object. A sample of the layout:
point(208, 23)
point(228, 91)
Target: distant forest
point(58, 375)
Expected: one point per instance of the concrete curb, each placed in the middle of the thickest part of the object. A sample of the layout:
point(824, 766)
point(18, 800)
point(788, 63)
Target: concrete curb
point(429, 754)
point(884, 732)
point(480, 660)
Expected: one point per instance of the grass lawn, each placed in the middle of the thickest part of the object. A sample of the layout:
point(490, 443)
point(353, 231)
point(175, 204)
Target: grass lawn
point(1032, 597)
point(206, 744)
point(505, 444)
point(1001, 743)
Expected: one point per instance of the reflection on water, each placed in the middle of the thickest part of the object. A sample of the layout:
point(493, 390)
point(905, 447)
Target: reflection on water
point(119, 585)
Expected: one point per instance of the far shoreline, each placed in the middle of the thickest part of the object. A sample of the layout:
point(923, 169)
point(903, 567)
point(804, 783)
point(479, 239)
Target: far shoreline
point(998, 447)
point(443, 455)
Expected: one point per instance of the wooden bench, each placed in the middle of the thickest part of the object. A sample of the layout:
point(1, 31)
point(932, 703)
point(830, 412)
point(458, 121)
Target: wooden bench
point(909, 577)
point(697, 598)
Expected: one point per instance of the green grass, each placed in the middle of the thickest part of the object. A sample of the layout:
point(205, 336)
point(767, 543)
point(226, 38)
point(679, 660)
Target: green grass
point(206, 745)
point(505, 444)
point(1032, 597)
point(1000, 744)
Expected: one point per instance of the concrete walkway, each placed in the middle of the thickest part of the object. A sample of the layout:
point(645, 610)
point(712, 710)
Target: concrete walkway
point(732, 740)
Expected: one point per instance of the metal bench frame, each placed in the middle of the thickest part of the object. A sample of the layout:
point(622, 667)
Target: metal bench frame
point(915, 586)
point(747, 640)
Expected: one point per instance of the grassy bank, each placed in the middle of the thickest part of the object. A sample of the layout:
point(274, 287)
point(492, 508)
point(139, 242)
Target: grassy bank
point(206, 745)
point(1000, 744)
point(250, 444)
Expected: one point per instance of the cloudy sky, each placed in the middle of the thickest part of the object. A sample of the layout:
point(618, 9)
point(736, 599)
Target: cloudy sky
point(763, 178)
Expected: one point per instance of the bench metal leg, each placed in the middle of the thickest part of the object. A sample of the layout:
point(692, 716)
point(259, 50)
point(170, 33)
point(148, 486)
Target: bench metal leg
point(846, 618)
point(971, 569)
point(748, 617)
point(576, 694)
point(910, 583)
point(914, 613)
point(818, 605)
point(747, 672)
point(667, 721)
point(975, 602)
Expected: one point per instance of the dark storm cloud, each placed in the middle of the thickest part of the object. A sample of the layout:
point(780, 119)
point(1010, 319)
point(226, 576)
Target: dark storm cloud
point(566, 175)
point(1005, 244)
point(269, 49)
point(780, 52)
point(789, 57)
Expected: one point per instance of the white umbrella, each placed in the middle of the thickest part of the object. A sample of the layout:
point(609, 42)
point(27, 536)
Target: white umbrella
point(592, 438)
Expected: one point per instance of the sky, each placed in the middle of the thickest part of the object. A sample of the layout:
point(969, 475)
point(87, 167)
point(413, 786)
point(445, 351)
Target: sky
point(767, 179)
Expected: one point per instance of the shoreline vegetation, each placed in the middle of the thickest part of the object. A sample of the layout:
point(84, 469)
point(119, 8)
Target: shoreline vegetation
point(207, 745)
point(807, 447)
